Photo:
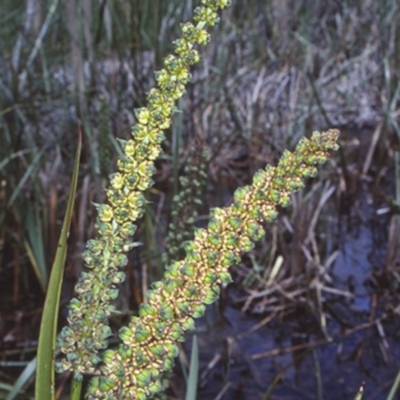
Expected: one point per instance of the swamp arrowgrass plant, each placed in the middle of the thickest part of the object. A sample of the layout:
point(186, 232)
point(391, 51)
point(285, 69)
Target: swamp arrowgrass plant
point(136, 369)
point(149, 341)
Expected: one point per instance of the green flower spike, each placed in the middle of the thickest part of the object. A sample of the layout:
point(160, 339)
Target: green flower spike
point(194, 281)
point(89, 312)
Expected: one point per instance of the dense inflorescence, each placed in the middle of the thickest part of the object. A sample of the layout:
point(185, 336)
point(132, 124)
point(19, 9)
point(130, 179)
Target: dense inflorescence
point(105, 256)
point(149, 343)
point(186, 203)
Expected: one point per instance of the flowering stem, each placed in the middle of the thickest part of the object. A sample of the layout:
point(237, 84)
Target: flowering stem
point(88, 329)
point(148, 348)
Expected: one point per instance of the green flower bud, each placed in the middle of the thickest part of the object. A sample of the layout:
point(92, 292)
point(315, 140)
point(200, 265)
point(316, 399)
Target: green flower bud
point(105, 212)
point(189, 269)
point(255, 231)
point(187, 324)
point(143, 378)
point(214, 239)
point(310, 172)
point(285, 200)
point(75, 305)
point(170, 285)
point(125, 334)
point(270, 215)
point(235, 223)
point(125, 351)
point(225, 277)
point(246, 245)
point(142, 333)
point(62, 366)
point(87, 258)
point(120, 261)
point(117, 181)
point(105, 332)
point(172, 273)
point(275, 196)
point(108, 356)
point(211, 256)
point(210, 277)
point(207, 15)
point(184, 307)
point(146, 309)
point(230, 258)
point(259, 179)
point(159, 328)
point(78, 377)
point(139, 395)
point(188, 31)
point(190, 57)
point(94, 246)
point(199, 310)
point(241, 194)
point(172, 349)
point(71, 357)
point(142, 115)
point(211, 295)
point(192, 291)
point(176, 334)
point(106, 384)
point(141, 357)
point(127, 230)
point(158, 350)
point(231, 239)
point(112, 293)
point(202, 37)
point(166, 312)
point(155, 387)
point(214, 225)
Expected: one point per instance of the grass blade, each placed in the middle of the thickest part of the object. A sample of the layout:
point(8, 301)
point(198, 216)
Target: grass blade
point(44, 388)
point(25, 376)
point(394, 387)
point(194, 372)
point(35, 245)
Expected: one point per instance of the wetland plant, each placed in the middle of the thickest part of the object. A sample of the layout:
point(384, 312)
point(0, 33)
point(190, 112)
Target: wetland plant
point(137, 368)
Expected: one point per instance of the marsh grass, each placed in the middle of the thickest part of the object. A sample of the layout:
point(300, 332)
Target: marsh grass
point(278, 70)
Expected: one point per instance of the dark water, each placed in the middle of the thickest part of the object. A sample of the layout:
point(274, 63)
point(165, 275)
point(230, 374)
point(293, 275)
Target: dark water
point(245, 376)
point(364, 335)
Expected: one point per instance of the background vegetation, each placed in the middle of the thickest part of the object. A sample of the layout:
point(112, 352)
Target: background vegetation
point(274, 71)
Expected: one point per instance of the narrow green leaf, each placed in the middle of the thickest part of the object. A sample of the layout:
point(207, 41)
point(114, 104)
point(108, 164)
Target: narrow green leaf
point(30, 170)
point(36, 241)
point(191, 390)
point(44, 388)
point(394, 387)
point(25, 376)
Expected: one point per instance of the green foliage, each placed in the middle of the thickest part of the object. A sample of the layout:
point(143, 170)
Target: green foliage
point(44, 388)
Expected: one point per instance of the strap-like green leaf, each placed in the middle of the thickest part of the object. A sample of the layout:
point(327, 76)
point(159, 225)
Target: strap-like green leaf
point(25, 376)
point(44, 388)
point(191, 390)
